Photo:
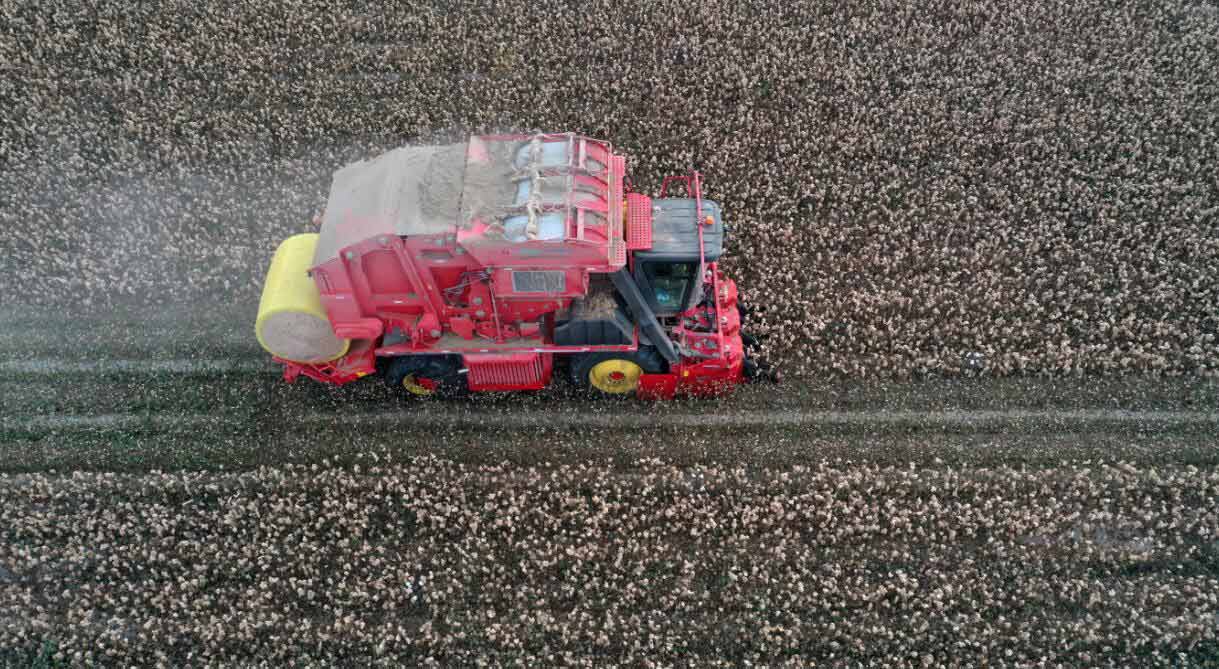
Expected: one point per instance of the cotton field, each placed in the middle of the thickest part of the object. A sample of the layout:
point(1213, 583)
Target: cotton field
point(427, 562)
point(981, 238)
point(912, 189)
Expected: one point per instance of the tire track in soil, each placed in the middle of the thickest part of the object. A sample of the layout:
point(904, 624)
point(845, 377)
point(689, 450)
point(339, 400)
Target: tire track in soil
point(957, 419)
point(51, 366)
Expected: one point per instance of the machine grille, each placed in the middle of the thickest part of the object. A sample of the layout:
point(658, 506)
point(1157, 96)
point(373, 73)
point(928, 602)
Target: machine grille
point(549, 281)
point(617, 252)
point(639, 222)
point(508, 371)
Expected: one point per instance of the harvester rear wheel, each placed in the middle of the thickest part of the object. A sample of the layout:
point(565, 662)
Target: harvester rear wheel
point(614, 374)
point(427, 376)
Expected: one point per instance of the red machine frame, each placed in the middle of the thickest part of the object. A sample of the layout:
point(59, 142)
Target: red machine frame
point(453, 293)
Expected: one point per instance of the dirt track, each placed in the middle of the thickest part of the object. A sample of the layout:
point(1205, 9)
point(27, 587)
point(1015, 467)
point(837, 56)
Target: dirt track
point(164, 394)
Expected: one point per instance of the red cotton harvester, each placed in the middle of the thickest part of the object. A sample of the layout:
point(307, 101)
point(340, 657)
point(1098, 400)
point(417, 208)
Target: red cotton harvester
point(487, 264)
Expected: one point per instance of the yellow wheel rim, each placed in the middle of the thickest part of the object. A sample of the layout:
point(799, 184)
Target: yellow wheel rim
point(615, 376)
point(417, 386)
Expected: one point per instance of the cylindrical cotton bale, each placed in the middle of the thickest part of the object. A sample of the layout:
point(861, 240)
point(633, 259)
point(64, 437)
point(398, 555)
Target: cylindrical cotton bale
point(292, 324)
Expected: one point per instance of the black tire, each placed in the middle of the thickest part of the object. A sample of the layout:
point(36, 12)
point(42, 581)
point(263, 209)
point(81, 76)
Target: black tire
point(749, 342)
point(440, 372)
point(647, 358)
point(743, 310)
point(749, 368)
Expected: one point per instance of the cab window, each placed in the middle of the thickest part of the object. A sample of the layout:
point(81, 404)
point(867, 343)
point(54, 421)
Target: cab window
point(671, 283)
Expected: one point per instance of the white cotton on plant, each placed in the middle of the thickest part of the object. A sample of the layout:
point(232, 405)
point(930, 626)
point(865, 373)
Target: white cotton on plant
point(886, 556)
point(1050, 172)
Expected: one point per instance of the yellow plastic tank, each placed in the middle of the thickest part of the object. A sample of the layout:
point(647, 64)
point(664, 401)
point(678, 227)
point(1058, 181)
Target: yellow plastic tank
point(292, 324)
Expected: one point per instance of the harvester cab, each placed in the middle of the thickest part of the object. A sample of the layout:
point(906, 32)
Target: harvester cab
point(669, 271)
point(485, 265)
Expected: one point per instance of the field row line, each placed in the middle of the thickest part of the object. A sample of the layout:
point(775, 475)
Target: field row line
point(443, 416)
point(168, 366)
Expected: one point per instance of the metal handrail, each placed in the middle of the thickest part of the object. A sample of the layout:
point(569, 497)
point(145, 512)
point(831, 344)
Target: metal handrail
point(694, 188)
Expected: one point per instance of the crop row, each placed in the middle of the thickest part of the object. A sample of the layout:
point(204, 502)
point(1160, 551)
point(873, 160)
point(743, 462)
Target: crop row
point(429, 562)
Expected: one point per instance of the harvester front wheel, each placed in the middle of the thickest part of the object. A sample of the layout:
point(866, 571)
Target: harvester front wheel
point(427, 376)
point(614, 374)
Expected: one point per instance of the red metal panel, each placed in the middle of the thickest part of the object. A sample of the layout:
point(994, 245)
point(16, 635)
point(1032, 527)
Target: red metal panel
point(384, 272)
point(638, 222)
point(657, 387)
point(574, 282)
point(617, 253)
point(730, 321)
point(728, 293)
point(722, 366)
point(364, 328)
point(598, 151)
point(617, 249)
point(358, 363)
point(462, 326)
point(508, 371)
point(708, 380)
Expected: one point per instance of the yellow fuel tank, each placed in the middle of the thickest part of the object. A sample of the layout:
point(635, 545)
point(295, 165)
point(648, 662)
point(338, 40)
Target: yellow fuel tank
point(292, 324)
